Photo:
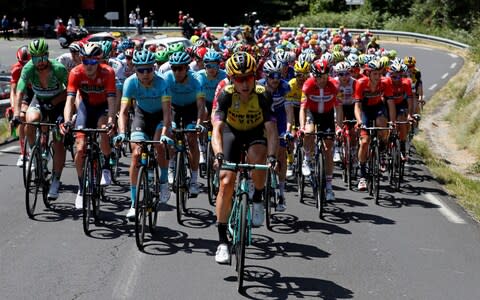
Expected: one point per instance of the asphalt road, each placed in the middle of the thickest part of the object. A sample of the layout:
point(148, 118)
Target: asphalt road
point(417, 244)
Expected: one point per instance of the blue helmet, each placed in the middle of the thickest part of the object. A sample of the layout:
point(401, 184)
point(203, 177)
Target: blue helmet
point(212, 56)
point(180, 58)
point(143, 57)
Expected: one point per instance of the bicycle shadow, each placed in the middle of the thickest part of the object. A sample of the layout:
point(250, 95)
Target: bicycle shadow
point(197, 217)
point(267, 283)
point(283, 223)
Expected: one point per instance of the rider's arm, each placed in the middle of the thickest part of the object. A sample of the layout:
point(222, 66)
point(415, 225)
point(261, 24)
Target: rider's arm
point(111, 90)
point(392, 110)
point(69, 108)
point(272, 138)
point(303, 111)
point(123, 115)
point(167, 114)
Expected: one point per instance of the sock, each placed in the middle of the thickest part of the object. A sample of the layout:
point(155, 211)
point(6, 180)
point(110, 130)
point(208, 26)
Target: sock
point(329, 182)
point(133, 194)
point(363, 170)
point(194, 177)
point(163, 175)
point(281, 188)
point(222, 233)
point(257, 195)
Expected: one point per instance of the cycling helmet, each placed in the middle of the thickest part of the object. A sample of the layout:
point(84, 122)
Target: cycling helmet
point(75, 47)
point(152, 48)
point(176, 47)
point(200, 43)
point(91, 50)
point(106, 48)
point(320, 67)
point(161, 56)
point(143, 57)
point(212, 56)
point(200, 52)
point(306, 57)
point(396, 68)
point(346, 50)
point(129, 52)
point(38, 47)
point(337, 48)
point(408, 60)
point(180, 58)
point(374, 65)
point(404, 68)
point(352, 59)
point(342, 67)
point(392, 54)
point(126, 44)
point(301, 66)
point(384, 61)
point(282, 57)
point(23, 56)
point(338, 56)
point(272, 66)
point(362, 59)
point(240, 63)
point(328, 57)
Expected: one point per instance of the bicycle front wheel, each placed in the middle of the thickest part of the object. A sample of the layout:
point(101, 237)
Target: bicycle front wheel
point(34, 181)
point(242, 240)
point(270, 198)
point(322, 181)
point(88, 194)
point(153, 201)
point(181, 188)
point(376, 174)
point(141, 202)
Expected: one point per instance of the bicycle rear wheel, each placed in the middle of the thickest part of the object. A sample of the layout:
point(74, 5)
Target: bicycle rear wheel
point(34, 181)
point(88, 194)
point(141, 202)
point(242, 240)
point(98, 192)
point(400, 167)
point(376, 174)
point(270, 197)
point(26, 158)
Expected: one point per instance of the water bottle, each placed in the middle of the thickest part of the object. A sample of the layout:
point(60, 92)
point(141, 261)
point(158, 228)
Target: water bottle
point(143, 159)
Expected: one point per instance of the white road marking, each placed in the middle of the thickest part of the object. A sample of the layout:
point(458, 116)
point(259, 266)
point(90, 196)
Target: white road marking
point(453, 55)
point(444, 210)
point(9, 149)
point(129, 275)
point(444, 75)
point(433, 87)
point(423, 48)
point(452, 66)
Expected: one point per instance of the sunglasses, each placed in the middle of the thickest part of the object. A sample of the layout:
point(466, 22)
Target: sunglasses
point(211, 66)
point(321, 75)
point(39, 59)
point(243, 79)
point(177, 68)
point(343, 74)
point(144, 70)
point(89, 62)
point(275, 75)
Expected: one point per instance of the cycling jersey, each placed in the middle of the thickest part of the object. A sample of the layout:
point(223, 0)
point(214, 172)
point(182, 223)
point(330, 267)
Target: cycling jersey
point(278, 96)
point(402, 91)
point(209, 86)
point(416, 77)
point(294, 96)
point(186, 93)
point(57, 80)
point(371, 97)
point(150, 98)
point(319, 100)
point(67, 60)
point(345, 92)
point(94, 91)
point(240, 115)
point(15, 77)
point(220, 86)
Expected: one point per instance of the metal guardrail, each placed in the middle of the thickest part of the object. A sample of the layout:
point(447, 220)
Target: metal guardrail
point(416, 36)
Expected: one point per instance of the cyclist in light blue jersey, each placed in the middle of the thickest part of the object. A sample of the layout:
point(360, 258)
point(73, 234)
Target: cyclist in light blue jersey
point(188, 103)
point(152, 118)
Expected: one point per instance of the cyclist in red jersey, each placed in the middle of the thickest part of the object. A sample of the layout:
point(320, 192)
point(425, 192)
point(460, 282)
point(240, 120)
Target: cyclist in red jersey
point(400, 106)
point(95, 83)
point(23, 56)
point(318, 104)
point(370, 95)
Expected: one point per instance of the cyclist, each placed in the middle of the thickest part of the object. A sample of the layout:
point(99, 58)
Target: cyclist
point(317, 109)
point(238, 102)
point(95, 83)
point(278, 88)
point(161, 57)
point(152, 118)
point(48, 79)
point(23, 56)
point(72, 58)
point(417, 85)
point(292, 104)
point(370, 95)
point(400, 106)
point(188, 106)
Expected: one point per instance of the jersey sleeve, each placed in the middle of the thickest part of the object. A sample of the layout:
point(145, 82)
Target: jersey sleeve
point(224, 101)
point(25, 76)
point(73, 82)
point(110, 87)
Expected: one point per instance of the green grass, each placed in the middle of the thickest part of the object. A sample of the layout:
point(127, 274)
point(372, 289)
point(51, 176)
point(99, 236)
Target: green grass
point(4, 130)
point(465, 190)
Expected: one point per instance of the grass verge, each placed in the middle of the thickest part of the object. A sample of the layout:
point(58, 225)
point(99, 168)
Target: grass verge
point(4, 130)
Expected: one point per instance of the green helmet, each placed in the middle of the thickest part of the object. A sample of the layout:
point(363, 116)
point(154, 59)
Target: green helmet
point(107, 47)
point(176, 47)
point(162, 56)
point(38, 47)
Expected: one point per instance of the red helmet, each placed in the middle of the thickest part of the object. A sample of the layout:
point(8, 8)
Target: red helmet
point(320, 67)
point(152, 48)
point(200, 52)
point(23, 56)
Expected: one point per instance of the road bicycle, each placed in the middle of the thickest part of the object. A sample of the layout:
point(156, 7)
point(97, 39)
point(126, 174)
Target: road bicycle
point(37, 171)
point(348, 152)
point(396, 165)
point(212, 179)
point(93, 192)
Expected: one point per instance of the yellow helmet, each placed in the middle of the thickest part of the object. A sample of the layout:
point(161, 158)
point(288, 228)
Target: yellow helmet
point(409, 60)
point(240, 63)
point(302, 66)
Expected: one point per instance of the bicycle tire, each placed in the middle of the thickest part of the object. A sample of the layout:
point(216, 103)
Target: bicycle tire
point(115, 167)
point(180, 186)
point(212, 189)
point(392, 157)
point(269, 198)
point(33, 184)
point(88, 194)
point(321, 175)
point(400, 168)
point(141, 201)
point(154, 199)
point(98, 191)
point(376, 174)
point(298, 172)
point(242, 242)
point(26, 156)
